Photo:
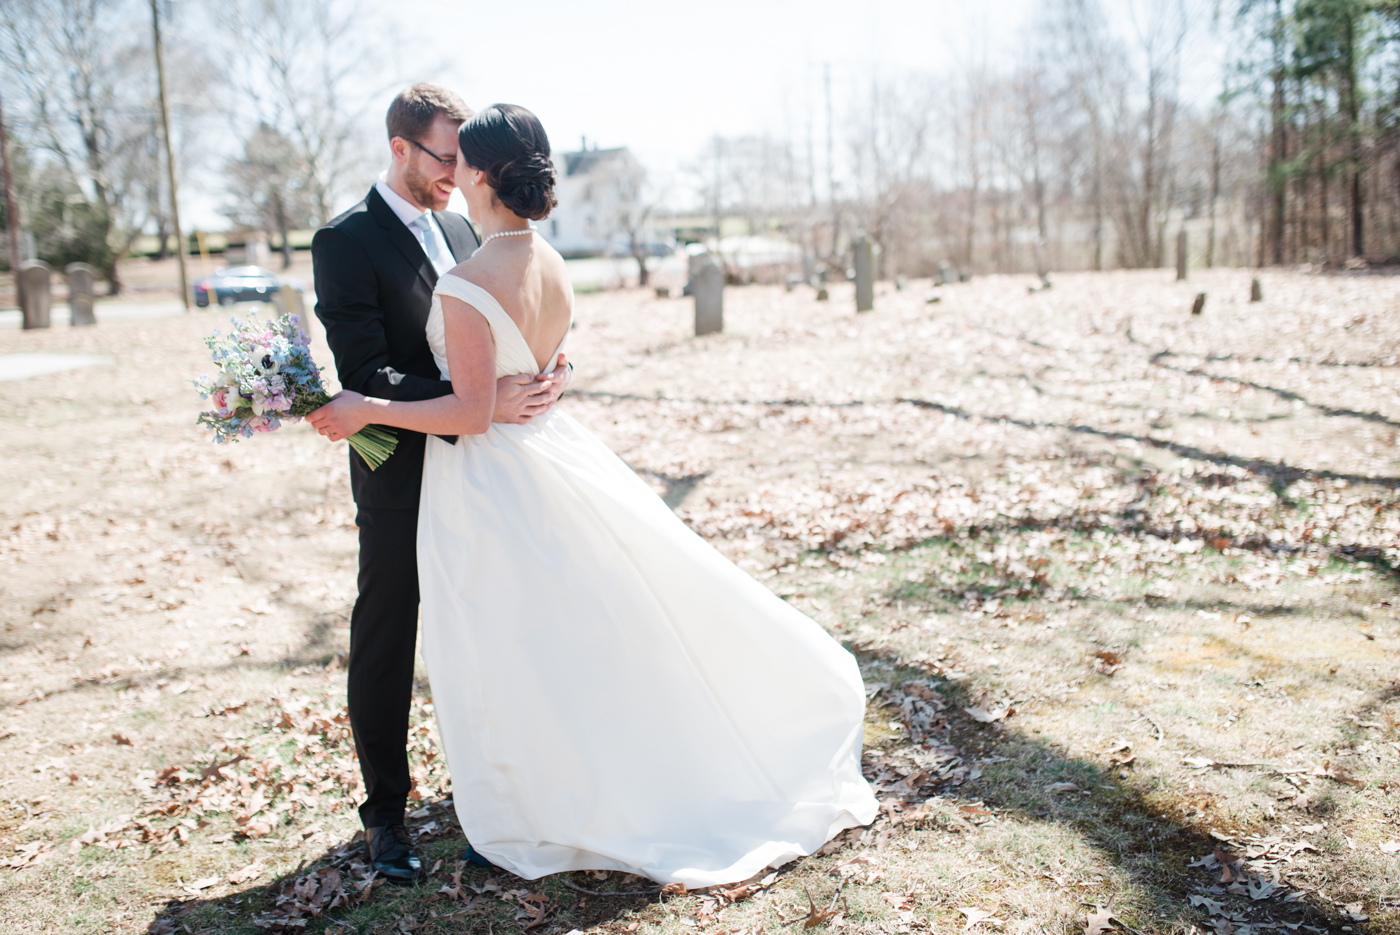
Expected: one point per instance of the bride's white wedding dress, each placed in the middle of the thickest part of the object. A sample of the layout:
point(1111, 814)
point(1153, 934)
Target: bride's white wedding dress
point(612, 692)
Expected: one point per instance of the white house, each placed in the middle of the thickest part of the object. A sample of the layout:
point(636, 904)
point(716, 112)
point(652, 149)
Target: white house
point(597, 190)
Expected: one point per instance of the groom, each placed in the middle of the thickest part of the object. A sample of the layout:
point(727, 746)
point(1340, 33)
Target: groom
point(375, 269)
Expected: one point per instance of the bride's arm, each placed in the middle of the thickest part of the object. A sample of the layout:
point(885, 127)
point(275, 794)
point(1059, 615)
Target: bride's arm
point(471, 358)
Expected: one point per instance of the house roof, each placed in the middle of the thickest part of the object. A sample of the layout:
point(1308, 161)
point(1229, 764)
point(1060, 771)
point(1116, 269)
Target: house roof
point(585, 161)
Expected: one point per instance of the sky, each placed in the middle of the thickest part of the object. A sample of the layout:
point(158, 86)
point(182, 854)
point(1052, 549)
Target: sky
point(663, 77)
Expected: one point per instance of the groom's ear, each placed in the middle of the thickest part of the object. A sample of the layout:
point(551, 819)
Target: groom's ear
point(398, 149)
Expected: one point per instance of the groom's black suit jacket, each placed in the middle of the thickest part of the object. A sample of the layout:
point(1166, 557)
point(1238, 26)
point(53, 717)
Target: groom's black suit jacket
point(374, 287)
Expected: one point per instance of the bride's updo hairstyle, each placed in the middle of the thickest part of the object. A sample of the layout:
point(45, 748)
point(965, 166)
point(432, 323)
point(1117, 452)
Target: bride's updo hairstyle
point(508, 144)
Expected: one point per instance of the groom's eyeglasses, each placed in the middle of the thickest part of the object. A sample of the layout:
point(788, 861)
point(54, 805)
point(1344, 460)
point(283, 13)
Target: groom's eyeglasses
point(449, 163)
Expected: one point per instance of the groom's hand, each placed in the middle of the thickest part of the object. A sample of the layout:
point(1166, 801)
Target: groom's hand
point(559, 379)
point(520, 397)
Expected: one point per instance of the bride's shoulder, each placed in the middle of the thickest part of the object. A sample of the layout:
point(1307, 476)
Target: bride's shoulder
point(461, 282)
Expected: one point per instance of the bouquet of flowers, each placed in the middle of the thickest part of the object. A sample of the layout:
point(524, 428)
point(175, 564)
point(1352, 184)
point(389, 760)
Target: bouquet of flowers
point(266, 375)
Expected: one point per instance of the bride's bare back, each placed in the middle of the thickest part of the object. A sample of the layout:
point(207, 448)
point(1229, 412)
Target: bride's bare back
point(528, 277)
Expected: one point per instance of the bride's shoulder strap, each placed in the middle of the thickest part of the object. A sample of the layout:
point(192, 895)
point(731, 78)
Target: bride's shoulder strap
point(469, 292)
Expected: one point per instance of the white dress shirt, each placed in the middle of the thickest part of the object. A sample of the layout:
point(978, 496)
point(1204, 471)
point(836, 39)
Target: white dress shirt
point(410, 214)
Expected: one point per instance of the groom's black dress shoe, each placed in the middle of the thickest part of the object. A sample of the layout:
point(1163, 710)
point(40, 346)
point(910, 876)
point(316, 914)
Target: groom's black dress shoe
point(470, 856)
point(391, 853)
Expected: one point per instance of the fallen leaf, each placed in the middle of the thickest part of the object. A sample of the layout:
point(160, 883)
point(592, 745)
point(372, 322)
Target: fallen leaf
point(1058, 787)
point(1355, 912)
point(247, 874)
point(1100, 921)
point(986, 715)
point(122, 740)
point(977, 916)
point(203, 884)
point(817, 916)
point(1391, 847)
point(1259, 888)
point(212, 770)
point(1198, 762)
point(1209, 905)
point(673, 889)
point(1108, 662)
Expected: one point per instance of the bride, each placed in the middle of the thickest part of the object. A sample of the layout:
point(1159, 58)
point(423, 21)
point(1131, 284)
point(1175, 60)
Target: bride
point(612, 693)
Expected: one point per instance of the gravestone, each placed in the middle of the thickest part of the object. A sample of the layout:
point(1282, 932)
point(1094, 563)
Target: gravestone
point(1181, 255)
point(822, 294)
point(808, 268)
point(901, 283)
point(81, 294)
point(1256, 291)
point(864, 275)
point(1199, 305)
point(945, 274)
point(708, 286)
point(36, 292)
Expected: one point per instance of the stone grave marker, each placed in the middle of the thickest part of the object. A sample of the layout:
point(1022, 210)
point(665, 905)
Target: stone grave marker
point(865, 275)
point(1199, 305)
point(1181, 255)
point(1256, 291)
point(81, 293)
point(37, 292)
point(708, 287)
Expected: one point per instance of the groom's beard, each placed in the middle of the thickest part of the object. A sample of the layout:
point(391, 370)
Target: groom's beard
point(423, 189)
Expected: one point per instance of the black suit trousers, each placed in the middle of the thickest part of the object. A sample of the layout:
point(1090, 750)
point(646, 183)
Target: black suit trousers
point(383, 630)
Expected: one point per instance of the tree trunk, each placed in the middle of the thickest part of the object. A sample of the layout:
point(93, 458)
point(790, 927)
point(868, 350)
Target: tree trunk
point(1353, 107)
point(1278, 143)
point(1214, 194)
point(280, 210)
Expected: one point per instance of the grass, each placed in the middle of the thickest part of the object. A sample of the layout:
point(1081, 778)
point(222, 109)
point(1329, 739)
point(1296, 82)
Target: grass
point(1189, 617)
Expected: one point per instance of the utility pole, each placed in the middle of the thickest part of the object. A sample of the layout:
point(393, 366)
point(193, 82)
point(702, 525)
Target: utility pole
point(831, 164)
point(170, 157)
point(11, 209)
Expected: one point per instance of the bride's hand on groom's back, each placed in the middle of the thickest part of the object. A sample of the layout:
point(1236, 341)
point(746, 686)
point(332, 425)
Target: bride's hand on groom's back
point(520, 397)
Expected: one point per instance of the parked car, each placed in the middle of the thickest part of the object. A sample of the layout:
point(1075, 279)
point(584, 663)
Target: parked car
point(233, 284)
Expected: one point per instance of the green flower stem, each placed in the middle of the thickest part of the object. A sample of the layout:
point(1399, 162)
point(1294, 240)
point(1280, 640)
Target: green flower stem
point(375, 443)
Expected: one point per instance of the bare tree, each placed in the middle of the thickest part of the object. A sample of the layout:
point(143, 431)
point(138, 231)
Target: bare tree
point(301, 73)
point(269, 188)
point(84, 87)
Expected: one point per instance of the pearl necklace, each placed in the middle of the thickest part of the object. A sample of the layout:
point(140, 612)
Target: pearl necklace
point(515, 233)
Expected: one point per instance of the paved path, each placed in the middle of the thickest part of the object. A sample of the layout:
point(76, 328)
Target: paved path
point(23, 366)
point(105, 311)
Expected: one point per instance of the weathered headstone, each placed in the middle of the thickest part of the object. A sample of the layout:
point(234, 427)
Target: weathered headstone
point(808, 268)
point(37, 278)
point(663, 292)
point(81, 294)
point(822, 294)
point(291, 299)
point(1181, 255)
point(945, 274)
point(1256, 291)
point(708, 285)
point(901, 283)
point(1199, 305)
point(865, 275)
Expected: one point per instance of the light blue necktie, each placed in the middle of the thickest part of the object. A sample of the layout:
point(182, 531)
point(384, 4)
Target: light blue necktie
point(433, 246)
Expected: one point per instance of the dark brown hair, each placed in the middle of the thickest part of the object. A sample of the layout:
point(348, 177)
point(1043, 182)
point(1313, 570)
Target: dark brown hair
point(509, 144)
point(416, 107)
